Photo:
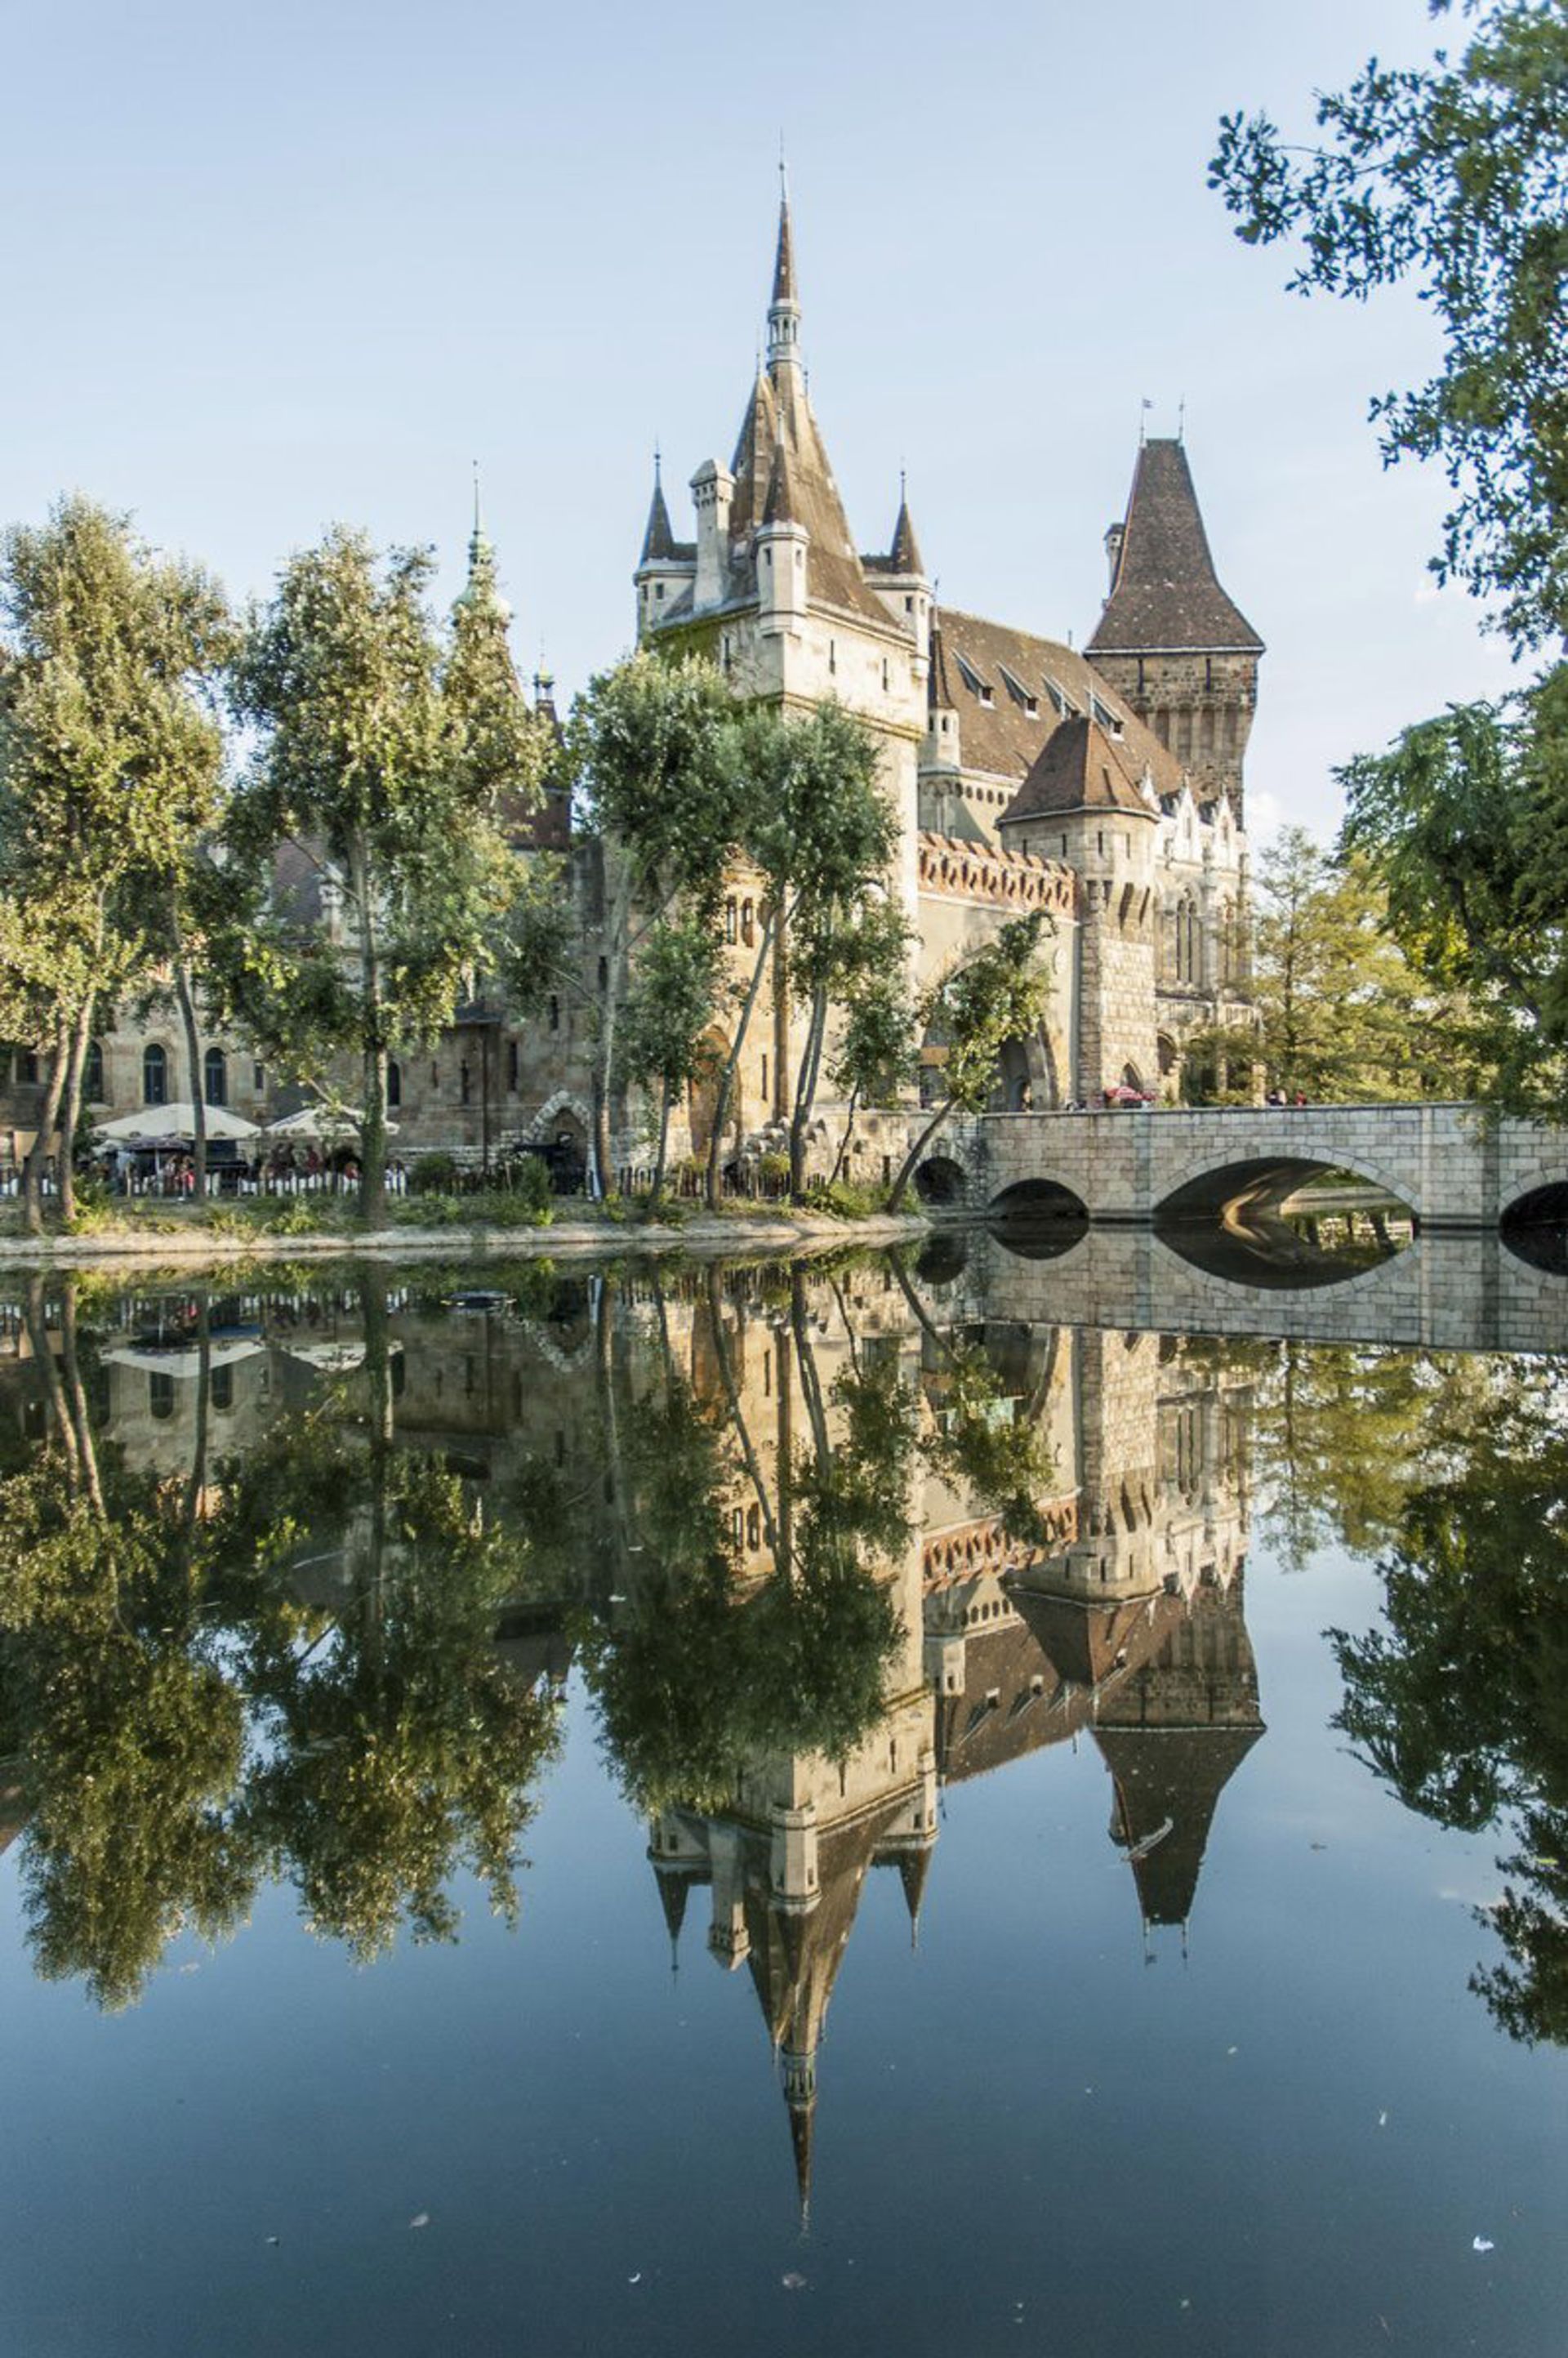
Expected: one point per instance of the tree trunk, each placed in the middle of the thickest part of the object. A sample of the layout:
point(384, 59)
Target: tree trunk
point(70, 1109)
point(599, 1144)
point(727, 1078)
point(76, 1398)
point(910, 1160)
point(373, 1136)
point(609, 1010)
point(743, 1431)
point(49, 1118)
point(665, 1095)
point(35, 1316)
point(379, 1433)
point(187, 1005)
point(849, 1135)
point(806, 1093)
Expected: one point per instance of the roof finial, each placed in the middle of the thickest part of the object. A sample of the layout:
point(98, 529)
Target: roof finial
point(1181, 420)
point(476, 521)
point(658, 464)
point(1144, 407)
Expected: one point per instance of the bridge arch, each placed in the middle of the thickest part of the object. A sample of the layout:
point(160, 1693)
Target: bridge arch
point(942, 1181)
point(1039, 1219)
point(1209, 1186)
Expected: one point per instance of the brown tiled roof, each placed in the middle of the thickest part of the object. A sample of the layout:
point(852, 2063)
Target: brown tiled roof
point(1166, 596)
point(1081, 767)
point(1003, 738)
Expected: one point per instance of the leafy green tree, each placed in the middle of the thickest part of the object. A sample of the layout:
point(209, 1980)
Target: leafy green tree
point(816, 828)
point(1465, 822)
point(1450, 175)
point(385, 750)
point(997, 995)
point(675, 987)
point(110, 763)
point(873, 1060)
point(652, 751)
point(1342, 1012)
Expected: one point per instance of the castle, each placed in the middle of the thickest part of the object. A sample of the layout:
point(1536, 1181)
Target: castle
point(1104, 788)
point(1101, 788)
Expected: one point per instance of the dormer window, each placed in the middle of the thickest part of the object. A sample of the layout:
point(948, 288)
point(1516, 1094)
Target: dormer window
point(1019, 693)
point(972, 680)
point(1106, 719)
point(1062, 702)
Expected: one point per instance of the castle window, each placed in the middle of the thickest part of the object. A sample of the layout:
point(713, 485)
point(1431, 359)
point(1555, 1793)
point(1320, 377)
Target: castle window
point(216, 1078)
point(748, 924)
point(909, 605)
point(764, 1085)
point(724, 644)
point(92, 1074)
point(464, 1081)
point(884, 674)
point(434, 1077)
point(28, 1066)
point(832, 654)
point(1019, 693)
point(604, 974)
point(512, 1066)
point(155, 1075)
point(160, 1393)
point(731, 921)
point(258, 1079)
point(393, 1083)
point(555, 1012)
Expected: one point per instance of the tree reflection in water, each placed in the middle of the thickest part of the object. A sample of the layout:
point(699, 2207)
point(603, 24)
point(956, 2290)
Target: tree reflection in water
point(1461, 1703)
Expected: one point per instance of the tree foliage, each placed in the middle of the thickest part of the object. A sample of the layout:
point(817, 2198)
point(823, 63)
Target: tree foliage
point(384, 751)
point(1453, 175)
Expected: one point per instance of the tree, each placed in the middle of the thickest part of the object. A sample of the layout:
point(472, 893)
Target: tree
point(873, 1061)
point(110, 762)
point(674, 989)
point(818, 830)
point(1465, 822)
point(995, 996)
point(1450, 175)
point(385, 748)
point(651, 749)
point(1343, 1014)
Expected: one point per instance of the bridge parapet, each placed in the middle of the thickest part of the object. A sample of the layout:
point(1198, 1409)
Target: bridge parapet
point(1454, 1167)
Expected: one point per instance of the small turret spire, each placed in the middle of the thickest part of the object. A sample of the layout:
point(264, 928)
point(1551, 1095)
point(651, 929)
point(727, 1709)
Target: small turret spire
point(658, 537)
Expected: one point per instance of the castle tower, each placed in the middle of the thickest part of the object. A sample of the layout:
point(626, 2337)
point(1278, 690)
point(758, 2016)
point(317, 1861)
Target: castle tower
point(1087, 801)
point(1169, 638)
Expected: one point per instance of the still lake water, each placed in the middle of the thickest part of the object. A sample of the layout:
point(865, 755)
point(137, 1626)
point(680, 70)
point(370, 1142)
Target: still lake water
point(782, 1810)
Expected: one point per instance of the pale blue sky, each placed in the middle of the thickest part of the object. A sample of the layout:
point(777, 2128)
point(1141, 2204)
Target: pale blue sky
point(270, 268)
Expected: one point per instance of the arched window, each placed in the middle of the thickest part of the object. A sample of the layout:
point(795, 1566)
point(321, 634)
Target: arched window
point(160, 1393)
point(155, 1075)
point(216, 1078)
point(1186, 957)
point(92, 1074)
point(393, 1083)
point(748, 925)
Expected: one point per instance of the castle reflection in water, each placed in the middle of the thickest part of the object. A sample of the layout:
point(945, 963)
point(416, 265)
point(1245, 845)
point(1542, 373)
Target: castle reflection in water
point(1117, 1617)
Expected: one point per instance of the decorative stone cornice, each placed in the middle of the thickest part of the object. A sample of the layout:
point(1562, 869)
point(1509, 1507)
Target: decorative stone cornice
point(953, 871)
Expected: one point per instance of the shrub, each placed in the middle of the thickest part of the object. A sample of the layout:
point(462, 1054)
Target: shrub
point(433, 1175)
point(530, 1186)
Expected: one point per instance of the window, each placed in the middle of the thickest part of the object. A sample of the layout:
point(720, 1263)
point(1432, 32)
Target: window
point(222, 1390)
point(731, 921)
point(92, 1074)
point(28, 1066)
point(753, 1527)
point(394, 1084)
point(465, 1081)
point(160, 1394)
point(604, 974)
point(748, 924)
point(513, 1068)
point(155, 1075)
point(764, 1085)
point(258, 1079)
point(434, 1077)
point(1019, 693)
point(659, 590)
point(832, 654)
point(216, 1078)
point(555, 1012)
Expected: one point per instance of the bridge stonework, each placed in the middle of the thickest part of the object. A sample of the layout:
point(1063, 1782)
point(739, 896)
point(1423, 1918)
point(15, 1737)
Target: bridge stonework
point(1453, 1168)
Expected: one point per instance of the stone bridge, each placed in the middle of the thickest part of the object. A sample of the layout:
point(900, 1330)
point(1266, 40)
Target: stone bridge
point(1454, 1169)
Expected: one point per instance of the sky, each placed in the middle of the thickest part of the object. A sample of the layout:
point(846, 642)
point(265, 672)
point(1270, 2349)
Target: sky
point(272, 267)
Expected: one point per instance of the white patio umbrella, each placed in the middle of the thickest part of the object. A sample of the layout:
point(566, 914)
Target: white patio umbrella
point(176, 1120)
point(322, 1122)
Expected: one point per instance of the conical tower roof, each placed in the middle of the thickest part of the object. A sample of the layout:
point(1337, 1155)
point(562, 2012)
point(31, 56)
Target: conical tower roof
point(658, 540)
point(904, 557)
point(1166, 598)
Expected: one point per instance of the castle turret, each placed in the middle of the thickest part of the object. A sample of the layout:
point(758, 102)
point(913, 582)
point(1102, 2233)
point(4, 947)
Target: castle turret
point(713, 489)
point(784, 547)
point(666, 565)
point(1170, 638)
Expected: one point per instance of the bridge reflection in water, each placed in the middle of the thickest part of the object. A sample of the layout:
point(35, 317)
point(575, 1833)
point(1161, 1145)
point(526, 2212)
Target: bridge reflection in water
point(1042, 1466)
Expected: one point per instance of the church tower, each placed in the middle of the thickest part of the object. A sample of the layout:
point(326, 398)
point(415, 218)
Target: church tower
point(1169, 638)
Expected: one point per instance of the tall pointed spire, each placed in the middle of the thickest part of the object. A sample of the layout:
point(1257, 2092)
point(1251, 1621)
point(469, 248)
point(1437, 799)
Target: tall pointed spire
point(783, 311)
point(1166, 596)
point(482, 593)
point(904, 555)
